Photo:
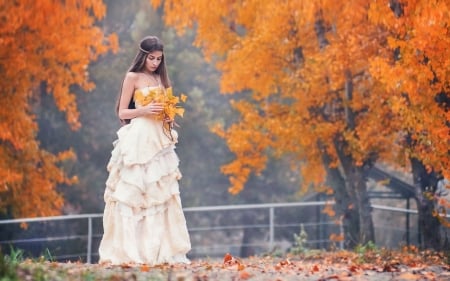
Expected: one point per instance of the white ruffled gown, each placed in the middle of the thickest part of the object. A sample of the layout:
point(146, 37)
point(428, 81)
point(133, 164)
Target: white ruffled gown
point(143, 218)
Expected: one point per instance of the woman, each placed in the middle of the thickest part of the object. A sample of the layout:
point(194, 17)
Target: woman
point(143, 219)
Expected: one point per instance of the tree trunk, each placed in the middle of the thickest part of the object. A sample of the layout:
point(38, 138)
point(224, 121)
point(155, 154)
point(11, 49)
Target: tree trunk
point(358, 180)
point(354, 178)
point(249, 233)
point(350, 218)
point(352, 204)
point(425, 185)
point(343, 205)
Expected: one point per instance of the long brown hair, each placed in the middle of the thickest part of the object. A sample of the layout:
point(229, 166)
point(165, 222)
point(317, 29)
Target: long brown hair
point(147, 45)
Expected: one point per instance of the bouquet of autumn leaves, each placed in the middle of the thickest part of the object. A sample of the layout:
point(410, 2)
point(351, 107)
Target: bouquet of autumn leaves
point(171, 104)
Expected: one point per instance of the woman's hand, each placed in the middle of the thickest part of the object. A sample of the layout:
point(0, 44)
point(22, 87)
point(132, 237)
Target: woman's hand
point(153, 108)
point(171, 122)
point(168, 121)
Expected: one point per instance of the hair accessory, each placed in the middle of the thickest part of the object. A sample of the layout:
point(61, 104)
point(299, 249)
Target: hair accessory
point(142, 50)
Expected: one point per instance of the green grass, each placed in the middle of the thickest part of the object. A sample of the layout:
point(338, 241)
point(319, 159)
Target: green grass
point(9, 265)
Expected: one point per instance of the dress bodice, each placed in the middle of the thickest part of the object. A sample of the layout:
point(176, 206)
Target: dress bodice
point(146, 95)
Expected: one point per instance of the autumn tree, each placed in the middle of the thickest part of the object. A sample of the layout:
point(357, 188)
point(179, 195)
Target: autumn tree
point(298, 103)
point(304, 70)
point(416, 75)
point(45, 47)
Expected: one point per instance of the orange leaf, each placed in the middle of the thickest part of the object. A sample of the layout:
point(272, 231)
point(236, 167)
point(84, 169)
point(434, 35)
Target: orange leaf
point(125, 265)
point(244, 275)
point(337, 237)
point(227, 258)
point(315, 268)
point(241, 266)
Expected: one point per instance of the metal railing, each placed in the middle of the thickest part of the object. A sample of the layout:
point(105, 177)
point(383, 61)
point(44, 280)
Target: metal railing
point(272, 224)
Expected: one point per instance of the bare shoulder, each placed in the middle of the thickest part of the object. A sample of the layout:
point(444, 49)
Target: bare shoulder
point(130, 83)
point(132, 76)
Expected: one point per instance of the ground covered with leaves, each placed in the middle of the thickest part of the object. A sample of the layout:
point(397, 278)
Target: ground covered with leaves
point(371, 265)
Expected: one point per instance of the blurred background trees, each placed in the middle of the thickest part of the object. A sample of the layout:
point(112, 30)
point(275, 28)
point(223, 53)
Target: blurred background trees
point(45, 49)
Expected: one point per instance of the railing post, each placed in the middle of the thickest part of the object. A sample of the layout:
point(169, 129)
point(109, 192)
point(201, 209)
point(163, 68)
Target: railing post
point(407, 222)
point(341, 229)
point(271, 227)
point(89, 242)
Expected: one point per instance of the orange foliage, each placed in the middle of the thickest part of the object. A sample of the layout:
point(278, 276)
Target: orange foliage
point(421, 35)
point(329, 210)
point(229, 260)
point(45, 46)
point(322, 79)
point(336, 237)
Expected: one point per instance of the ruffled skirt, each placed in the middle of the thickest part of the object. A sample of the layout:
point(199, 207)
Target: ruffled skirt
point(143, 219)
